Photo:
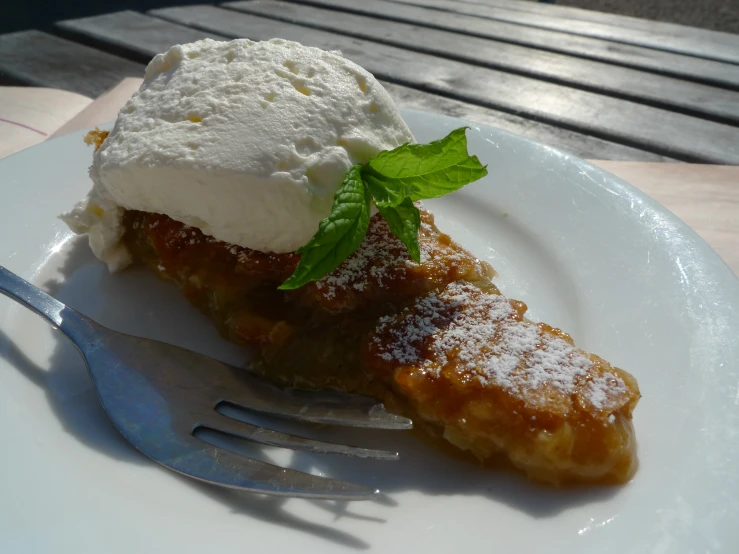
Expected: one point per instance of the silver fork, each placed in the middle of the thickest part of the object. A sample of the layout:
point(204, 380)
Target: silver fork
point(157, 395)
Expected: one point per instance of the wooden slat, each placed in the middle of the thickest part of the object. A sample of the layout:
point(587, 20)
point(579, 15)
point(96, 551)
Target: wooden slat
point(581, 14)
point(38, 59)
point(656, 61)
point(672, 38)
point(675, 135)
point(690, 98)
point(115, 29)
point(142, 34)
point(578, 144)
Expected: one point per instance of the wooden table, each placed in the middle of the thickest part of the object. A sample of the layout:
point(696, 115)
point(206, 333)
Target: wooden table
point(597, 85)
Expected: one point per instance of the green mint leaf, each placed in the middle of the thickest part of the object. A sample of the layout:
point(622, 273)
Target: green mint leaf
point(421, 171)
point(410, 160)
point(338, 235)
point(456, 177)
point(404, 221)
point(385, 192)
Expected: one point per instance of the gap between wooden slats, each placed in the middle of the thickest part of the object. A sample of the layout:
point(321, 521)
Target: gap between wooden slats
point(689, 98)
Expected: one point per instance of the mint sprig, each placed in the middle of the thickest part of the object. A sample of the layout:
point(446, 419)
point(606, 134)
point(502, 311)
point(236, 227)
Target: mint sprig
point(394, 180)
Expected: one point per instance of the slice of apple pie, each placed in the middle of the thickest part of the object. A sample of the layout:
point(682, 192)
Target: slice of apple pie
point(435, 341)
point(246, 172)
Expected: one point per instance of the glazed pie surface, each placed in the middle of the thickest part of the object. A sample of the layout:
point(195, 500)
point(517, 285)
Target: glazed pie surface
point(436, 341)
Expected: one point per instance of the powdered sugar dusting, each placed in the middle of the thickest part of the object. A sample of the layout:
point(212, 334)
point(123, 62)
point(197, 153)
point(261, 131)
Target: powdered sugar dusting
point(382, 257)
point(480, 332)
point(602, 388)
point(375, 259)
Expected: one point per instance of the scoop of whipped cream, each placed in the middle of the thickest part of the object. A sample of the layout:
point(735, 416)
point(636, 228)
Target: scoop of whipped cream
point(247, 141)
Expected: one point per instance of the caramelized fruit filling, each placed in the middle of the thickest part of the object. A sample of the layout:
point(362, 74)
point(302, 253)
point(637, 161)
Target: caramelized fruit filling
point(435, 341)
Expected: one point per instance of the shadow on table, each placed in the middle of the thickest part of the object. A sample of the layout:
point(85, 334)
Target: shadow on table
point(136, 301)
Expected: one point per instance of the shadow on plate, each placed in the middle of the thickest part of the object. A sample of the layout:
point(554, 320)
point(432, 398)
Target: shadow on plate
point(137, 302)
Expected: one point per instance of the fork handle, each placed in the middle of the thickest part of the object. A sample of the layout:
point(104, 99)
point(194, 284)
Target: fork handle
point(79, 329)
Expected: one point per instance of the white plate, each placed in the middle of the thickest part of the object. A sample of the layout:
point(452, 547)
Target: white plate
point(586, 251)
